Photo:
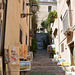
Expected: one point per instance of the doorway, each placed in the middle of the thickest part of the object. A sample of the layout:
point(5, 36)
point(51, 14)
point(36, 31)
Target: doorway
point(72, 51)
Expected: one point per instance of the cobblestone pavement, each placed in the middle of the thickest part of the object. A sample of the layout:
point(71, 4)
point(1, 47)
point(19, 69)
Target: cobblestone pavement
point(43, 64)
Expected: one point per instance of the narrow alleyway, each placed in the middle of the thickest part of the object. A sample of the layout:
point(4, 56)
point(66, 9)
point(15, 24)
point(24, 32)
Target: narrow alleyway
point(43, 64)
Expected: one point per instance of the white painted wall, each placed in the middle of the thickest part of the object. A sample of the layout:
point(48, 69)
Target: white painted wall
point(61, 9)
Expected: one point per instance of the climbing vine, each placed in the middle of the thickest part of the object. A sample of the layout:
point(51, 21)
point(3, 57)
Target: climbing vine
point(33, 47)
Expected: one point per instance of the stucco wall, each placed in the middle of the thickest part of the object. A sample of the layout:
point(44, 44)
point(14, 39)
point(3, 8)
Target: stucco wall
point(14, 23)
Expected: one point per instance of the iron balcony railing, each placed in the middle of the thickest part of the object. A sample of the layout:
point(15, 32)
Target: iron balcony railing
point(67, 21)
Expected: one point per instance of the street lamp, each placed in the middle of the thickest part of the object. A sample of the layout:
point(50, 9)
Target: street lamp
point(33, 9)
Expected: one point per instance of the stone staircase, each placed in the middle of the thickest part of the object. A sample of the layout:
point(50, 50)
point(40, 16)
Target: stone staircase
point(43, 64)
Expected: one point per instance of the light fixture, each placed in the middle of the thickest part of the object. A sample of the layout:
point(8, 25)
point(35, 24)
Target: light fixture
point(33, 9)
point(25, 14)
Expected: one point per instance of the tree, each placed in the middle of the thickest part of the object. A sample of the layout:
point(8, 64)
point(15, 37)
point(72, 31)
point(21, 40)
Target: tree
point(44, 25)
point(47, 23)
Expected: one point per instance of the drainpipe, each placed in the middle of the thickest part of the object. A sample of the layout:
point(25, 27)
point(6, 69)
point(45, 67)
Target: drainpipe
point(29, 26)
point(3, 35)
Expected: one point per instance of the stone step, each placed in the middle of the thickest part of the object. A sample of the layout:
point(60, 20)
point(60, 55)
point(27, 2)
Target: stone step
point(47, 67)
point(47, 71)
point(44, 63)
point(43, 59)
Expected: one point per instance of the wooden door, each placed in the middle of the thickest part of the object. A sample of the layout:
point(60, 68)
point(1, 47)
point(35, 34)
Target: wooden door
point(71, 50)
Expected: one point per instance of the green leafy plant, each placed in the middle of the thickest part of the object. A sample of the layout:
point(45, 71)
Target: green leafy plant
point(44, 25)
point(34, 16)
point(33, 47)
point(47, 23)
point(52, 53)
point(51, 16)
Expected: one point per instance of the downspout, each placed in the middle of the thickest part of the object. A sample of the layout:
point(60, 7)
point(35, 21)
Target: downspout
point(29, 26)
point(3, 35)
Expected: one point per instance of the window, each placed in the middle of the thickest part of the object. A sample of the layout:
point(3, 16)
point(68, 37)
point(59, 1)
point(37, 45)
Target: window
point(20, 36)
point(49, 8)
point(26, 39)
point(62, 47)
point(27, 17)
point(61, 17)
point(0, 5)
point(23, 6)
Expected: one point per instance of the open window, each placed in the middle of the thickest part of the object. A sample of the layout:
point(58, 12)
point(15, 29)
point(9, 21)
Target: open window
point(62, 47)
point(26, 39)
point(20, 36)
point(49, 8)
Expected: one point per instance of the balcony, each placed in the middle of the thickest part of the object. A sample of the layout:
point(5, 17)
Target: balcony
point(67, 22)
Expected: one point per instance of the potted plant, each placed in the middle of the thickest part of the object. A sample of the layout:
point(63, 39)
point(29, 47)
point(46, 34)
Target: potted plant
point(52, 53)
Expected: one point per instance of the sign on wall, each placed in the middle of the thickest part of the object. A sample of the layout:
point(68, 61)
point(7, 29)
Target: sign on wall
point(14, 55)
point(23, 51)
point(14, 60)
point(25, 65)
point(30, 56)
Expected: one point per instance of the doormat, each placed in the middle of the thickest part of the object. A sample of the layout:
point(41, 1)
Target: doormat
point(42, 74)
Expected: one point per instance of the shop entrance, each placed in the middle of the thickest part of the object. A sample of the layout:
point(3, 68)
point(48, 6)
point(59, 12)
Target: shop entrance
point(72, 51)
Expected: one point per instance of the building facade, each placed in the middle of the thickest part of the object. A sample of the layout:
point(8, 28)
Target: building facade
point(16, 28)
point(1, 36)
point(66, 30)
point(45, 6)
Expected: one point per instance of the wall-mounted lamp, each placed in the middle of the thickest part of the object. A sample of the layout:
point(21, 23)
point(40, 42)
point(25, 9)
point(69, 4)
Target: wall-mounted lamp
point(25, 14)
point(33, 9)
